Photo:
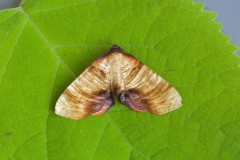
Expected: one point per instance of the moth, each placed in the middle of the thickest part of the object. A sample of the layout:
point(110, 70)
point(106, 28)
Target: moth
point(117, 74)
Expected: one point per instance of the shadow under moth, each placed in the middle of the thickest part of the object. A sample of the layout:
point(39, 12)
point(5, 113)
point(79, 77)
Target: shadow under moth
point(117, 74)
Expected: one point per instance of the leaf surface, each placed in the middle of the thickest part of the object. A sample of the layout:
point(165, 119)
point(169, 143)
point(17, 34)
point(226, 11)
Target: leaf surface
point(46, 44)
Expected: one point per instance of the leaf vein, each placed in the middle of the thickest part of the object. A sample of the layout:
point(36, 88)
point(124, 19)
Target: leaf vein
point(25, 141)
point(63, 7)
point(104, 129)
point(49, 101)
point(125, 138)
point(11, 53)
point(46, 40)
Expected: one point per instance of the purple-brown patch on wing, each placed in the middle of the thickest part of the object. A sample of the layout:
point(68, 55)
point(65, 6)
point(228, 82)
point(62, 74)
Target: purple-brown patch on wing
point(105, 101)
point(133, 99)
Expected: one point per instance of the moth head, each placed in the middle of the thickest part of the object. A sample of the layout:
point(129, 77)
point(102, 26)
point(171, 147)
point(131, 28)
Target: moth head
point(115, 48)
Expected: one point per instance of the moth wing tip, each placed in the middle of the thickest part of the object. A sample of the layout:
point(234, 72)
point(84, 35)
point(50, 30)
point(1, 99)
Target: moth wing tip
point(60, 111)
point(57, 108)
point(177, 103)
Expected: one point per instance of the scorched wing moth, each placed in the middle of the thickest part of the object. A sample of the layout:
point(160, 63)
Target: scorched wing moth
point(117, 74)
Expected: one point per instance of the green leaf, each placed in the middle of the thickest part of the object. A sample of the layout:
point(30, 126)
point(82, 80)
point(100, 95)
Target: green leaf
point(46, 44)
